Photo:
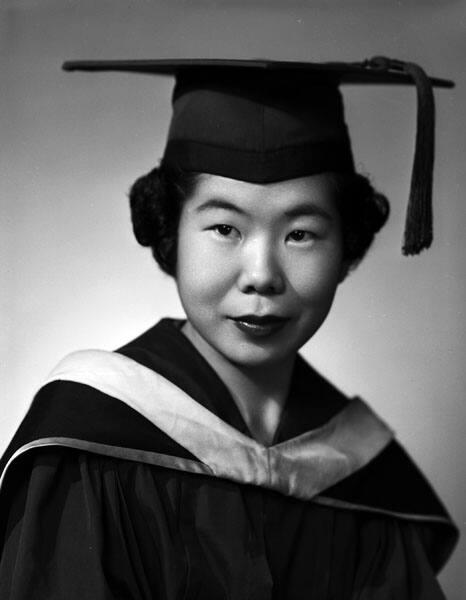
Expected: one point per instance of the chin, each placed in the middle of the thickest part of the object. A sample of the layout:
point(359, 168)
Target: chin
point(254, 360)
point(252, 354)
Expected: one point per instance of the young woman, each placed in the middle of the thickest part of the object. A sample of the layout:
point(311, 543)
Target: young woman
point(206, 459)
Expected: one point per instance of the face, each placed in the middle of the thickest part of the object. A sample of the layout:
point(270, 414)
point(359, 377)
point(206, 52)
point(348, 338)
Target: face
point(258, 265)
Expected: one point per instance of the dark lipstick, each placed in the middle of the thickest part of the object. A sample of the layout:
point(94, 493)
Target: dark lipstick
point(259, 326)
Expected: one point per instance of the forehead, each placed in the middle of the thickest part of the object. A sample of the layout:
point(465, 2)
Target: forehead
point(271, 199)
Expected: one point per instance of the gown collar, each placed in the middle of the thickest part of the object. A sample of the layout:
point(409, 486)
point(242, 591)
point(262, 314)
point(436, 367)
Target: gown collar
point(301, 467)
point(311, 401)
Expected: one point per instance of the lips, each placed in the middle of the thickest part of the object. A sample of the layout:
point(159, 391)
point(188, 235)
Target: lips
point(259, 320)
point(259, 325)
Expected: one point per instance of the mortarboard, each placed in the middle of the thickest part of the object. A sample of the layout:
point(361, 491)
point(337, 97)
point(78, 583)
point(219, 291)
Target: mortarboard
point(263, 121)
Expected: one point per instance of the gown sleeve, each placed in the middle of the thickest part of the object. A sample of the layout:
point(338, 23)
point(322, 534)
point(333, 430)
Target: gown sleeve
point(394, 563)
point(70, 533)
point(347, 554)
point(78, 526)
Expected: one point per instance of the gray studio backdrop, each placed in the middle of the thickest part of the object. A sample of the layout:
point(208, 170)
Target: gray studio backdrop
point(73, 277)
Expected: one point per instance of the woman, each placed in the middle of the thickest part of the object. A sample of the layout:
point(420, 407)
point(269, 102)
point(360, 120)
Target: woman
point(206, 459)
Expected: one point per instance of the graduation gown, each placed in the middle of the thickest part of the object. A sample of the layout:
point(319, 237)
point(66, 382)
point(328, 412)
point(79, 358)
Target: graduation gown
point(134, 476)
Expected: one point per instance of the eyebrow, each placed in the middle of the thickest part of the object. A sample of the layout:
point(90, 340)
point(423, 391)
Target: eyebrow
point(219, 203)
point(303, 209)
point(308, 209)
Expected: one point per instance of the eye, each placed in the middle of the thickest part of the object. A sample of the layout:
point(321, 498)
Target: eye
point(225, 231)
point(300, 235)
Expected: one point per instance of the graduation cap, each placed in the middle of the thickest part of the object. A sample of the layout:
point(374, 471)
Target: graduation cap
point(263, 121)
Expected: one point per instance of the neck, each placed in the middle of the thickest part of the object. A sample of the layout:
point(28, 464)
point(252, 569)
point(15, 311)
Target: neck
point(260, 392)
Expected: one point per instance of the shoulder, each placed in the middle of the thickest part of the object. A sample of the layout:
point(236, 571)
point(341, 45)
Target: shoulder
point(86, 404)
point(392, 485)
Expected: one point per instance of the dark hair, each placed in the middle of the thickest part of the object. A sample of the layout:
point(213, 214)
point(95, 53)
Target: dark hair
point(363, 212)
point(157, 197)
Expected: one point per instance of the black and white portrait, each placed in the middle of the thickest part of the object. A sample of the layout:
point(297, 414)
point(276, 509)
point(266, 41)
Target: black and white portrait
point(232, 293)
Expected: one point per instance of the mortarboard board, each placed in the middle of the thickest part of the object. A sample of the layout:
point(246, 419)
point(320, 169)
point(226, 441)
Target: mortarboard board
point(263, 121)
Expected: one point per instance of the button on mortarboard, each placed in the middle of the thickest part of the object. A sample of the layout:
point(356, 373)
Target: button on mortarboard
point(262, 121)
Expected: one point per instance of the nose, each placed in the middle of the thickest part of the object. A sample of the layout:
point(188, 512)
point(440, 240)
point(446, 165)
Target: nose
point(261, 271)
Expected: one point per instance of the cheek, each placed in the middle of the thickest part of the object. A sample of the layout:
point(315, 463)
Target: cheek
point(201, 276)
point(315, 282)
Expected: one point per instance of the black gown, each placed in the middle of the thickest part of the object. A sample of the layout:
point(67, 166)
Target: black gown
point(98, 502)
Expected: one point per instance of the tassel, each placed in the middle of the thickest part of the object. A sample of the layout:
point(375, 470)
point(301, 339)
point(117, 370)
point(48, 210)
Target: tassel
point(418, 232)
